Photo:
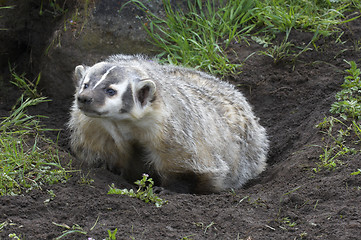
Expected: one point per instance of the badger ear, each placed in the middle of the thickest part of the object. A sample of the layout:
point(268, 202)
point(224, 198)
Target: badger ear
point(145, 92)
point(79, 73)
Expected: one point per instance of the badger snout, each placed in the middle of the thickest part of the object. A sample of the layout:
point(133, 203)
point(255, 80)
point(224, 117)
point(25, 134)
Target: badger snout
point(89, 105)
point(84, 99)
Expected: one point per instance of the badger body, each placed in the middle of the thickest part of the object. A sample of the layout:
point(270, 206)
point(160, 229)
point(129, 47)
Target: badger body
point(190, 130)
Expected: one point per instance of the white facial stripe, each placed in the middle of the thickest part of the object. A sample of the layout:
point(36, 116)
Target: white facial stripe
point(104, 76)
point(86, 80)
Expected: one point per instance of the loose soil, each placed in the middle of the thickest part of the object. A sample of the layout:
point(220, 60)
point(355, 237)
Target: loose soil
point(287, 201)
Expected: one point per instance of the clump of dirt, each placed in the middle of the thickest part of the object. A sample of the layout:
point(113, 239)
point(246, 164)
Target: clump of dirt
point(287, 201)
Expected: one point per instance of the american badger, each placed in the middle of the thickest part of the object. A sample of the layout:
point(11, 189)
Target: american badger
point(193, 131)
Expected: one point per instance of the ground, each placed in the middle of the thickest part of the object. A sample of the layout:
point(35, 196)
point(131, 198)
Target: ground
point(287, 201)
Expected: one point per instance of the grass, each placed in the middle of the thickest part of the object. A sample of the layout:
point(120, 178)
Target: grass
point(28, 160)
point(54, 8)
point(75, 229)
point(199, 38)
point(200, 35)
point(343, 132)
point(348, 104)
point(78, 230)
point(204, 226)
point(29, 88)
point(322, 16)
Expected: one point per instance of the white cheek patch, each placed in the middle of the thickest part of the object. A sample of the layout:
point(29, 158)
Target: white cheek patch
point(104, 76)
point(113, 104)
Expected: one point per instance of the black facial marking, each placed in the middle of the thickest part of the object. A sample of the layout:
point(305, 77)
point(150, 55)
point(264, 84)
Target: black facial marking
point(104, 71)
point(127, 100)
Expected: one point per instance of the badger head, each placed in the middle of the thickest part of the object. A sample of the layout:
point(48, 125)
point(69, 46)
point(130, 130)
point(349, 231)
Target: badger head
point(113, 91)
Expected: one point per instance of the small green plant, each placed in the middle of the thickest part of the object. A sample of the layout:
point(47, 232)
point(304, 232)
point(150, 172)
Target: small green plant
point(14, 236)
point(85, 179)
point(189, 237)
point(287, 50)
point(28, 87)
point(303, 235)
point(75, 229)
point(3, 225)
point(287, 221)
point(144, 192)
point(348, 104)
point(51, 196)
point(336, 146)
point(204, 226)
point(281, 51)
point(356, 172)
point(111, 235)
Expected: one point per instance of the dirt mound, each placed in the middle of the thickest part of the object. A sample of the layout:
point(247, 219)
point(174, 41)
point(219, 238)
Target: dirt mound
point(288, 200)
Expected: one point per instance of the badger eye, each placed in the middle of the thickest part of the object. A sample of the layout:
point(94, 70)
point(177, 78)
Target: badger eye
point(86, 85)
point(110, 91)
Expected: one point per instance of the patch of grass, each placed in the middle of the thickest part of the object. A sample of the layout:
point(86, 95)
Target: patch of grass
point(28, 160)
point(312, 16)
point(79, 18)
point(78, 230)
point(281, 51)
point(29, 88)
point(344, 131)
point(55, 9)
point(74, 20)
point(85, 179)
point(320, 17)
point(337, 141)
point(200, 35)
point(286, 50)
point(144, 192)
point(348, 104)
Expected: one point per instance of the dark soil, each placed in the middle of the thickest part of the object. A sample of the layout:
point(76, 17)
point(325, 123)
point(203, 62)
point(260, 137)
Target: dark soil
point(287, 201)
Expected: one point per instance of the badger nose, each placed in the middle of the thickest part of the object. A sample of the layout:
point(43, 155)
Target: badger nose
point(85, 99)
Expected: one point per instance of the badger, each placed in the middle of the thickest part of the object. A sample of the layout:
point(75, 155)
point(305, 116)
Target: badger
point(190, 131)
